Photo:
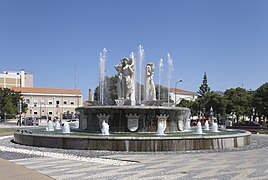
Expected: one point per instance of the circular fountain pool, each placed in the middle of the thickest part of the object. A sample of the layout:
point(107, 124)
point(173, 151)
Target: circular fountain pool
point(176, 141)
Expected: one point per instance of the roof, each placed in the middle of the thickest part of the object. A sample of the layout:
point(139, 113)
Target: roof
point(46, 90)
point(181, 91)
point(178, 90)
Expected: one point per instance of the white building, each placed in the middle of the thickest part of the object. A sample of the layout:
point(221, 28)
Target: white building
point(179, 94)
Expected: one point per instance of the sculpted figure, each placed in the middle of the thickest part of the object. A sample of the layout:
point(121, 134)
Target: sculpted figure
point(150, 93)
point(120, 93)
point(125, 72)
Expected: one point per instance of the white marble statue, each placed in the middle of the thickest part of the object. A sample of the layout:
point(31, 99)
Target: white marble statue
point(150, 93)
point(119, 84)
point(125, 82)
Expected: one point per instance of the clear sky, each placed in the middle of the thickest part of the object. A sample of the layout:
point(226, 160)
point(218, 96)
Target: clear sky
point(226, 38)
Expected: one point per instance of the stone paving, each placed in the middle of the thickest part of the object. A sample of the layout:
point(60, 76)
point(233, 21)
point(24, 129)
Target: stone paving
point(248, 163)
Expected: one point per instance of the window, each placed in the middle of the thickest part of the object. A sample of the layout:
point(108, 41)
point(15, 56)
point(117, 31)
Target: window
point(72, 102)
point(42, 101)
point(35, 102)
point(50, 113)
point(35, 112)
point(57, 102)
point(50, 102)
point(27, 101)
point(65, 102)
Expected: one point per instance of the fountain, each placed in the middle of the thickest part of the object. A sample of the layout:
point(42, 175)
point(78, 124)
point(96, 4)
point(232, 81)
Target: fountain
point(65, 127)
point(199, 128)
point(161, 124)
point(206, 126)
point(187, 126)
point(49, 126)
point(57, 125)
point(139, 72)
point(105, 128)
point(102, 74)
point(170, 70)
point(76, 125)
point(214, 127)
point(131, 126)
point(160, 71)
point(133, 79)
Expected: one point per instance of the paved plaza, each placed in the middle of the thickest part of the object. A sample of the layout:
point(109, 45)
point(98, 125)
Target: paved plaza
point(244, 163)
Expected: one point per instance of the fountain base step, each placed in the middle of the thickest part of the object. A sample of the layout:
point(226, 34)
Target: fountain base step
point(144, 144)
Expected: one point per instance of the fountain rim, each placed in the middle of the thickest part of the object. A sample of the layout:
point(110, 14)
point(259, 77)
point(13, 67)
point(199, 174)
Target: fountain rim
point(241, 133)
point(135, 107)
point(135, 144)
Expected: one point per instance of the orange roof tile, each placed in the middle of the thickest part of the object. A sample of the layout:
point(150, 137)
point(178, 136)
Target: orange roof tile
point(181, 91)
point(46, 90)
point(177, 90)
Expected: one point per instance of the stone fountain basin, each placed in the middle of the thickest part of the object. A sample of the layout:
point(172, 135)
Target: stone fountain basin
point(118, 120)
point(136, 143)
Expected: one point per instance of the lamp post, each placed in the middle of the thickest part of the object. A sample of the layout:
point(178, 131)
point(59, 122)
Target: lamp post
point(42, 108)
point(176, 90)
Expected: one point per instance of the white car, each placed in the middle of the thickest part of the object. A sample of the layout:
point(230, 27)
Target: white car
point(73, 123)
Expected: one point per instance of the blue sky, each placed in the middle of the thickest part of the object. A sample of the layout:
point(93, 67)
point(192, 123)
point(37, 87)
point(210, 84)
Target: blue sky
point(228, 39)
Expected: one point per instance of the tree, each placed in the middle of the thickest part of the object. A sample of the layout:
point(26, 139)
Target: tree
point(237, 101)
point(260, 100)
point(194, 106)
point(185, 103)
point(204, 103)
point(110, 91)
point(216, 101)
point(204, 88)
point(9, 102)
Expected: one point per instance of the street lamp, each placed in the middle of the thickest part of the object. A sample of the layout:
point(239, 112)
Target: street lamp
point(176, 90)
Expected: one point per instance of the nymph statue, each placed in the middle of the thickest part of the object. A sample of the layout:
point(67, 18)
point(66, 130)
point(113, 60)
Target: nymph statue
point(150, 93)
point(125, 82)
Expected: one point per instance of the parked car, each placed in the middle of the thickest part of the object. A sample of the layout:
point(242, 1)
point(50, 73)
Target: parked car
point(252, 126)
point(248, 123)
point(73, 123)
point(30, 121)
point(45, 118)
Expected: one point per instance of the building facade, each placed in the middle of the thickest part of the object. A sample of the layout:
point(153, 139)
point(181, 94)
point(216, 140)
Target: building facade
point(178, 94)
point(49, 101)
point(21, 78)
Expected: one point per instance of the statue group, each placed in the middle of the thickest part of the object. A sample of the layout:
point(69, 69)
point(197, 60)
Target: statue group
point(125, 82)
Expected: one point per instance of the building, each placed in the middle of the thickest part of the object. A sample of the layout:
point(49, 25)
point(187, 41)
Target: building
point(49, 101)
point(178, 94)
point(16, 79)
